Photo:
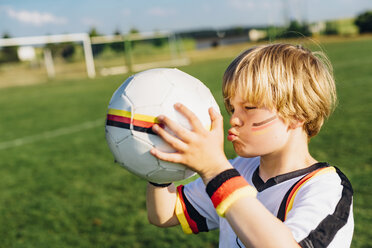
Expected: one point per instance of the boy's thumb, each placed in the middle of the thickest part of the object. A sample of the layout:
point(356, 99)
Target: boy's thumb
point(216, 119)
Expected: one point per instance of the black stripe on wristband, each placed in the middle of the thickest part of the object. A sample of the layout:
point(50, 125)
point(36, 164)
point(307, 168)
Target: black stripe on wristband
point(216, 182)
point(161, 185)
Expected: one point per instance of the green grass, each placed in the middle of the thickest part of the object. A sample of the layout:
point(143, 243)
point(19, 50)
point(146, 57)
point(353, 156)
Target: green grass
point(346, 139)
point(66, 191)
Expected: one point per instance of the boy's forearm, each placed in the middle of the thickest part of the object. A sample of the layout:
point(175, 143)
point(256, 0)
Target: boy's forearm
point(160, 204)
point(257, 227)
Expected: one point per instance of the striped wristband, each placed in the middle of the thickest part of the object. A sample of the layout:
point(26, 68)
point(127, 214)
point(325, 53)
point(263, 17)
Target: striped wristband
point(226, 188)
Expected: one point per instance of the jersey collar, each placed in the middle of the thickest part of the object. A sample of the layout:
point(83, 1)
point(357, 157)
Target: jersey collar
point(261, 185)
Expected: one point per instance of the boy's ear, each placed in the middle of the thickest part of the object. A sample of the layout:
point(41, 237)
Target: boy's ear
point(296, 124)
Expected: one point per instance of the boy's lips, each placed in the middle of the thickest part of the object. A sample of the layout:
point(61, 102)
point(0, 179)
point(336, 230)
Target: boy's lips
point(231, 136)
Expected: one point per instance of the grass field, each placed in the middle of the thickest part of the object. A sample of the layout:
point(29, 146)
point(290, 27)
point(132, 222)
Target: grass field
point(59, 186)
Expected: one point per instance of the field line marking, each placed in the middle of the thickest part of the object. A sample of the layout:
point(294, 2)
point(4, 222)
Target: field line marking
point(51, 134)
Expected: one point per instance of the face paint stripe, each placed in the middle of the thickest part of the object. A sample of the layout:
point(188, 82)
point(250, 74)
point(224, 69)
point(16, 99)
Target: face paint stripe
point(260, 132)
point(264, 122)
point(264, 126)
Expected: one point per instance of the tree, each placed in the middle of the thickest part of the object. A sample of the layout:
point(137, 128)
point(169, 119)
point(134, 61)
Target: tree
point(93, 32)
point(68, 50)
point(330, 28)
point(159, 41)
point(364, 22)
point(8, 54)
point(296, 29)
point(117, 46)
point(134, 31)
point(96, 48)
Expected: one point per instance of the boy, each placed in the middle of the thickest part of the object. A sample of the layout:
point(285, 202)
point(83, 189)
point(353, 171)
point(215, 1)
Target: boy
point(274, 194)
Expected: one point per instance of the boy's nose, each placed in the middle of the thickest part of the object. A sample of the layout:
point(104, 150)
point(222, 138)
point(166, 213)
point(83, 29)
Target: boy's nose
point(235, 121)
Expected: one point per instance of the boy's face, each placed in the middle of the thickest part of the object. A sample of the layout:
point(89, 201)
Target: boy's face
point(256, 131)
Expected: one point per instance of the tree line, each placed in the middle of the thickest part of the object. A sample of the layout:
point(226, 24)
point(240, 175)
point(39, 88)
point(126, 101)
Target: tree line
point(294, 29)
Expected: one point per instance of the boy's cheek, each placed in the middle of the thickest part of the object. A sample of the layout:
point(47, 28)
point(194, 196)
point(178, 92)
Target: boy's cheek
point(265, 125)
point(271, 136)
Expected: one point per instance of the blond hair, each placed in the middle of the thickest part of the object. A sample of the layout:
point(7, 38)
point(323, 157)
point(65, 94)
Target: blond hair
point(294, 81)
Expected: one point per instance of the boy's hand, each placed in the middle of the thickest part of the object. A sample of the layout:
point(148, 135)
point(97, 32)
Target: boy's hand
point(199, 149)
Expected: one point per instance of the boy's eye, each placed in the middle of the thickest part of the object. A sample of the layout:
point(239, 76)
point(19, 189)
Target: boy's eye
point(249, 107)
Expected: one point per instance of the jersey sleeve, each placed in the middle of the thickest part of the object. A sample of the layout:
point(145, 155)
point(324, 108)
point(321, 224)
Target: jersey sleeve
point(194, 209)
point(320, 214)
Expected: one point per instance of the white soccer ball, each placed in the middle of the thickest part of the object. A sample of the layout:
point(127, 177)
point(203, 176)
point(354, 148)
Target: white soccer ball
point(133, 110)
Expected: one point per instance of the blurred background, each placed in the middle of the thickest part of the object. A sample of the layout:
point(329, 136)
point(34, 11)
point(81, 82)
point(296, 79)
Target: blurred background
point(60, 62)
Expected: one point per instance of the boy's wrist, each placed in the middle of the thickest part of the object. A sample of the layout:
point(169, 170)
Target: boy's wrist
point(227, 188)
point(209, 175)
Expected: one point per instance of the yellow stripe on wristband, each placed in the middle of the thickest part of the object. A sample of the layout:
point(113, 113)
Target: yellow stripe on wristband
point(246, 191)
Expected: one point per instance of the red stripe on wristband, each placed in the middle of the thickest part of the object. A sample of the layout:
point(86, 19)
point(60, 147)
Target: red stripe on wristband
point(227, 188)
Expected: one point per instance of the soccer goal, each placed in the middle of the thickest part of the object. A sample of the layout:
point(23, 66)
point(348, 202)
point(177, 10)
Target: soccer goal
point(102, 55)
point(35, 41)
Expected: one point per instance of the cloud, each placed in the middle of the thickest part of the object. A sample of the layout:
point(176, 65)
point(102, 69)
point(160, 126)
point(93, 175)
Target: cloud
point(34, 17)
point(207, 8)
point(91, 22)
point(251, 5)
point(126, 12)
point(160, 12)
point(242, 5)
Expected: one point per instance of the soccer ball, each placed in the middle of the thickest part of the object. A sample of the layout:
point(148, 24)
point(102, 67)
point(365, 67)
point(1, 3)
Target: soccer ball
point(132, 112)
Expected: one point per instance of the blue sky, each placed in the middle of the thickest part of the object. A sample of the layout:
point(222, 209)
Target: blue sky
point(40, 17)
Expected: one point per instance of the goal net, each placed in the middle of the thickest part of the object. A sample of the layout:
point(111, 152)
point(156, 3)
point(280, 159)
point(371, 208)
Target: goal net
point(117, 54)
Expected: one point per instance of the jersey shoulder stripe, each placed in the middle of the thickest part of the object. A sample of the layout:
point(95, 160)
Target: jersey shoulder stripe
point(296, 188)
point(291, 193)
point(190, 219)
point(325, 232)
point(327, 229)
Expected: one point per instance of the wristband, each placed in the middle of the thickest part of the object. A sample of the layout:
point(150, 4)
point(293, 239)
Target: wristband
point(226, 188)
point(160, 185)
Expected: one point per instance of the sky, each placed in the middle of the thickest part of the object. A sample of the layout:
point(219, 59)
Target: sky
point(40, 17)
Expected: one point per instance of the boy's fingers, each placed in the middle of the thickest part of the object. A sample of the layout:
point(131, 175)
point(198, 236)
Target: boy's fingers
point(191, 117)
point(176, 128)
point(170, 139)
point(169, 157)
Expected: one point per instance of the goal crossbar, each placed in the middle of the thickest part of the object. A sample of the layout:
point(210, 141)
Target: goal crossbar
point(130, 37)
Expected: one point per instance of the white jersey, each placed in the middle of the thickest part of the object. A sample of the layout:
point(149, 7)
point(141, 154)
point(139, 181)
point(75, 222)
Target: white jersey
point(315, 203)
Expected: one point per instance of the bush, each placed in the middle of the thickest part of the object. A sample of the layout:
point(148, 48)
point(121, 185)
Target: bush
point(331, 28)
point(96, 48)
point(296, 29)
point(8, 54)
point(364, 22)
point(68, 50)
point(117, 46)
